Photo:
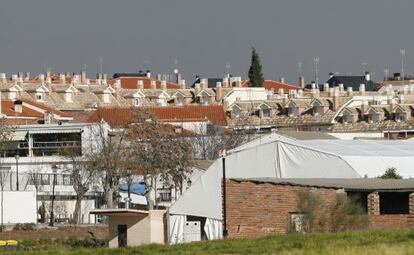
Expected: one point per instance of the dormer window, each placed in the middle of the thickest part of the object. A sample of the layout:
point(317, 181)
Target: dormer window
point(266, 113)
point(236, 113)
point(205, 99)
point(137, 102)
point(106, 98)
point(68, 97)
point(179, 100)
point(39, 96)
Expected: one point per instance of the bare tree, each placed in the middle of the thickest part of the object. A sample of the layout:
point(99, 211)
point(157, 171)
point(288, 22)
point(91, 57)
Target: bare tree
point(83, 177)
point(159, 152)
point(35, 179)
point(4, 176)
point(108, 158)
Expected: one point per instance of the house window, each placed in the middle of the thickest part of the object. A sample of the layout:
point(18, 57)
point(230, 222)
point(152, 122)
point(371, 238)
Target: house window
point(346, 118)
point(67, 180)
point(205, 100)
point(45, 179)
point(161, 102)
point(39, 96)
point(317, 110)
point(399, 117)
point(266, 113)
point(236, 113)
point(137, 102)
point(293, 111)
point(373, 118)
point(68, 97)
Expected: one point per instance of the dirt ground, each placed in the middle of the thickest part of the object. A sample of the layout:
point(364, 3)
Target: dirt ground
point(60, 232)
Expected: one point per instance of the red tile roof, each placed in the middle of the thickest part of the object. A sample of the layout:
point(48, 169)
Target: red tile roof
point(7, 108)
point(45, 107)
point(131, 83)
point(120, 116)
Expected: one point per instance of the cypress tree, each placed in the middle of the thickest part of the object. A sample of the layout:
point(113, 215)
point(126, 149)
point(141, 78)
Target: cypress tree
point(255, 71)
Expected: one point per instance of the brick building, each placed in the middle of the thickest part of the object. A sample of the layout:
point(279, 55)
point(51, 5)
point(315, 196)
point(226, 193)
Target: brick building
point(266, 206)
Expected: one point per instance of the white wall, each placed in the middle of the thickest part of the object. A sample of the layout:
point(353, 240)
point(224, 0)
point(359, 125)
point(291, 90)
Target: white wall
point(356, 135)
point(245, 94)
point(19, 207)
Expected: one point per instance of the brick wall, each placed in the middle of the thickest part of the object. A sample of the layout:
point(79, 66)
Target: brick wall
point(391, 221)
point(262, 209)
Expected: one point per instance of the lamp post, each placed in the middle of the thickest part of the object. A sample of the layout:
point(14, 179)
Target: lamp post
point(129, 181)
point(17, 156)
point(52, 219)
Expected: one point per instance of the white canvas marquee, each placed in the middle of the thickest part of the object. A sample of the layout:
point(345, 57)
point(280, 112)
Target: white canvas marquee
point(275, 156)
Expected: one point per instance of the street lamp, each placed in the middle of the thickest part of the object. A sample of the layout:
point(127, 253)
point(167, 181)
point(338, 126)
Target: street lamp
point(129, 181)
point(54, 169)
point(17, 156)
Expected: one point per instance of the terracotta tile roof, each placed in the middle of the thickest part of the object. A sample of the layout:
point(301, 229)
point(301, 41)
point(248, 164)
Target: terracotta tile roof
point(118, 117)
point(131, 83)
point(7, 108)
point(45, 107)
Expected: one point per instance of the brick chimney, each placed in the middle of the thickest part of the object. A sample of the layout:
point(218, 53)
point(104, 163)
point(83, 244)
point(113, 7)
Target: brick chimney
point(18, 106)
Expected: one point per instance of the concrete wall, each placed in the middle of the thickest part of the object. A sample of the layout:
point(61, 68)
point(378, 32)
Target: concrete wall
point(19, 207)
point(142, 229)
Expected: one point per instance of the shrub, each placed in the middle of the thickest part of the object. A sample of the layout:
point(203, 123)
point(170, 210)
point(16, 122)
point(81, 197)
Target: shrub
point(24, 226)
point(391, 173)
point(347, 214)
point(308, 203)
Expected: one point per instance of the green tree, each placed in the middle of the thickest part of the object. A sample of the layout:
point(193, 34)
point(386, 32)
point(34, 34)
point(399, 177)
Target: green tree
point(391, 173)
point(255, 71)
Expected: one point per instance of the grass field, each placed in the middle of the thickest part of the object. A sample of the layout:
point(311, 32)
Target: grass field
point(370, 242)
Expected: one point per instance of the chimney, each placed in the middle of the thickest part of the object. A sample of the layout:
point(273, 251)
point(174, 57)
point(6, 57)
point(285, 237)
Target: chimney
point(49, 83)
point(83, 77)
point(21, 75)
point(315, 92)
point(336, 99)
point(140, 84)
point(391, 102)
point(362, 89)
point(341, 87)
point(62, 78)
point(401, 99)
point(282, 80)
point(225, 83)
point(158, 77)
point(18, 106)
point(238, 82)
point(364, 108)
point(219, 92)
point(148, 74)
point(302, 81)
point(105, 76)
point(367, 76)
point(163, 85)
point(27, 77)
point(411, 88)
point(197, 88)
point(182, 84)
point(300, 93)
point(406, 89)
point(331, 92)
point(3, 79)
point(284, 99)
point(153, 84)
point(281, 92)
point(48, 73)
point(349, 91)
point(15, 77)
point(41, 78)
point(326, 87)
point(204, 83)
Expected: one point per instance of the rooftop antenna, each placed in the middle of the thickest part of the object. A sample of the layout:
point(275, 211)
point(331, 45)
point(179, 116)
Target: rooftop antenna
point(228, 68)
point(84, 67)
point(176, 66)
point(364, 67)
point(100, 64)
point(402, 53)
point(386, 72)
point(316, 62)
point(300, 69)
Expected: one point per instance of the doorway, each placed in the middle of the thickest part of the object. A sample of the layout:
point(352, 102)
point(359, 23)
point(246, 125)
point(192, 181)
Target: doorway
point(122, 235)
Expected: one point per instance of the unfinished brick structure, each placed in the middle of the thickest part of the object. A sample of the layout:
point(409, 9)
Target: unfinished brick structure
point(260, 207)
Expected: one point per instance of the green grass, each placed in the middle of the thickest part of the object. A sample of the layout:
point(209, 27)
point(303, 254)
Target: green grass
point(369, 242)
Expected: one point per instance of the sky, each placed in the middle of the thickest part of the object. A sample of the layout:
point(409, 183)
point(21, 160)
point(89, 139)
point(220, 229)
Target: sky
point(203, 35)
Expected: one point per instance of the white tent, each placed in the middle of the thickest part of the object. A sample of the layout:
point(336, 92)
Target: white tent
point(275, 156)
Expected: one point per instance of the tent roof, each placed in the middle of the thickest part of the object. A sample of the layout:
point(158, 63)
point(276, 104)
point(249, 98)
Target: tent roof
point(275, 156)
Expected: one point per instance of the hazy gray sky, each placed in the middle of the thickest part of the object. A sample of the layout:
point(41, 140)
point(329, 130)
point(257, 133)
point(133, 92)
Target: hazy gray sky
point(205, 34)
